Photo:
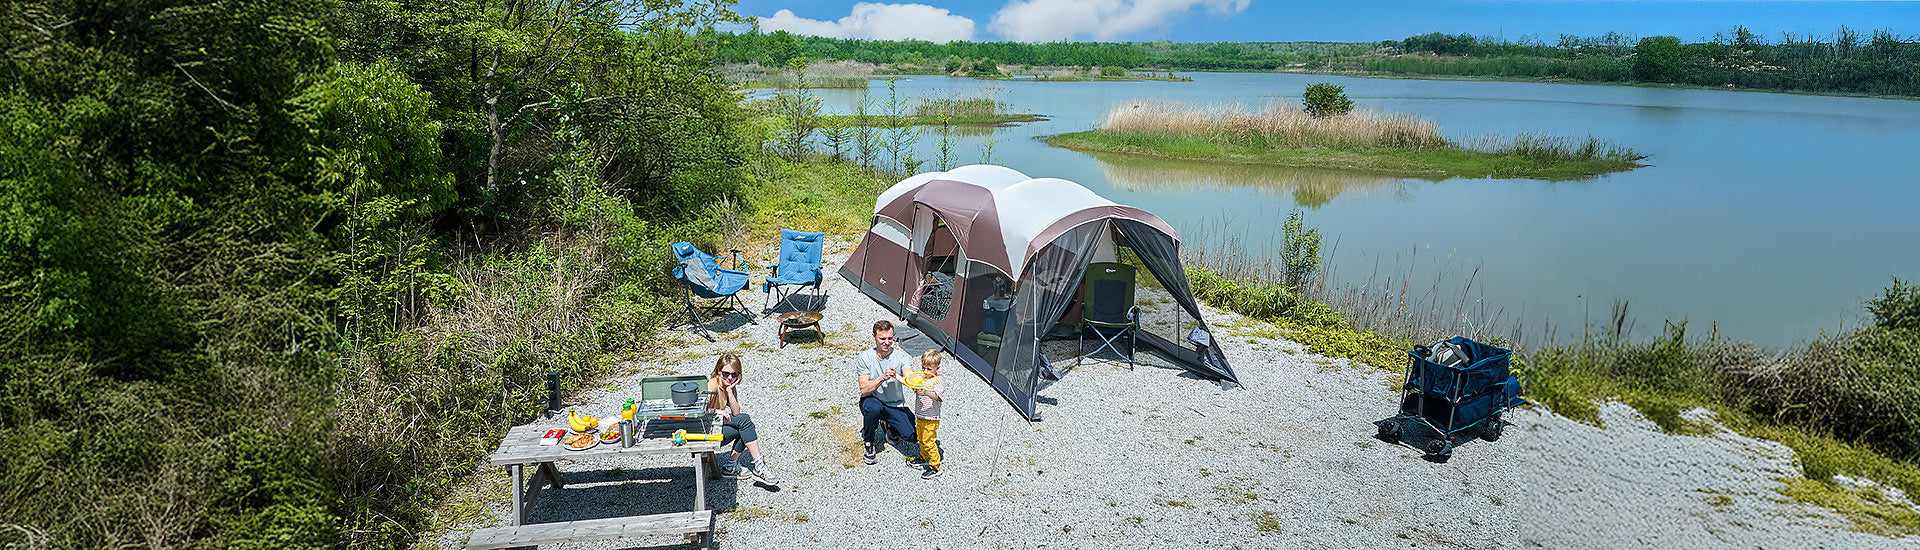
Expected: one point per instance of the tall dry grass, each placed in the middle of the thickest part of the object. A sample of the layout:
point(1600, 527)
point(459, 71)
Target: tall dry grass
point(1276, 124)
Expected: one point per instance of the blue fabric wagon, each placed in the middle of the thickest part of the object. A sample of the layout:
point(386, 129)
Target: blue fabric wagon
point(1464, 387)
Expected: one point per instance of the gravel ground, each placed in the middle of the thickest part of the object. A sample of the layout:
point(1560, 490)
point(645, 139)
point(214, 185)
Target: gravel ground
point(1153, 455)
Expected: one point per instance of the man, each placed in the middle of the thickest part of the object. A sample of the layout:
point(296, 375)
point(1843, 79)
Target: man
point(882, 397)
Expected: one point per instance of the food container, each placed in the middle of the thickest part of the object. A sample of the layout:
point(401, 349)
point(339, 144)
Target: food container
point(552, 437)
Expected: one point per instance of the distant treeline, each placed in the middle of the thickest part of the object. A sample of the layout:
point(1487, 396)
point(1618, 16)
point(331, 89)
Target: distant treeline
point(1845, 61)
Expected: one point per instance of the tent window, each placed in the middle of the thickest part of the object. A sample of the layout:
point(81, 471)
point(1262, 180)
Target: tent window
point(988, 311)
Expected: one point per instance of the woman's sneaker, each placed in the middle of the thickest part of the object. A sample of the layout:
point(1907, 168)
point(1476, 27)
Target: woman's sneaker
point(930, 473)
point(759, 472)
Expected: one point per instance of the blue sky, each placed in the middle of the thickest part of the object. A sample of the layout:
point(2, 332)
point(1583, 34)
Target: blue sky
point(1328, 20)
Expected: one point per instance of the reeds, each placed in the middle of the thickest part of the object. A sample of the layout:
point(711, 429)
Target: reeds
point(1556, 148)
point(1275, 125)
point(959, 106)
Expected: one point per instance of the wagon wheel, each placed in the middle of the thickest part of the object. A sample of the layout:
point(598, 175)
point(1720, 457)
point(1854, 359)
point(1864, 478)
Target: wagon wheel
point(1390, 428)
point(1493, 429)
point(1437, 447)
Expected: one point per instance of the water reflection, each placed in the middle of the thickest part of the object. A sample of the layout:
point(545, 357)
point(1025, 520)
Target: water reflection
point(1310, 188)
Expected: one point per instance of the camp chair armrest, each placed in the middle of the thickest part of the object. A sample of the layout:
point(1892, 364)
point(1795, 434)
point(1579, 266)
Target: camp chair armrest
point(1133, 314)
point(733, 271)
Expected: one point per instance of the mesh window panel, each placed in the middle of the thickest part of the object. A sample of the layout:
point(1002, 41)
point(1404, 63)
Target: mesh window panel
point(1046, 288)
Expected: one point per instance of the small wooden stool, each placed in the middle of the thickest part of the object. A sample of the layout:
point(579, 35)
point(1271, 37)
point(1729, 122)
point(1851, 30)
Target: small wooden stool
point(799, 320)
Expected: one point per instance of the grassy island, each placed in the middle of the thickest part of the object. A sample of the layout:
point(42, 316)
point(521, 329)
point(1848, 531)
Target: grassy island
point(953, 111)
point(1388, 144)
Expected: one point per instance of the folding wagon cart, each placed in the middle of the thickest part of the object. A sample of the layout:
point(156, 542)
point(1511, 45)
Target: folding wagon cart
point(1463, 393)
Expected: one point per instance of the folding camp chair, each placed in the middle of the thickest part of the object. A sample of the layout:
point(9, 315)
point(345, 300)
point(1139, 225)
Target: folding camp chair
point(1107, 310)
point(798, 267)
point(702, 277)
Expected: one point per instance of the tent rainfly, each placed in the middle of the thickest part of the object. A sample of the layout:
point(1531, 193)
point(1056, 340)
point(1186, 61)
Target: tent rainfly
point(985, 261)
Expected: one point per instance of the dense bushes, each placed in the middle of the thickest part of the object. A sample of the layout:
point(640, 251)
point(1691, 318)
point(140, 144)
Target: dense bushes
point(275, 273)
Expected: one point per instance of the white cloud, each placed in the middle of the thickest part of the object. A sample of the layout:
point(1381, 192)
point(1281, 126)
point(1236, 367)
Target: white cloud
point(879, 22)
point(1047, 20)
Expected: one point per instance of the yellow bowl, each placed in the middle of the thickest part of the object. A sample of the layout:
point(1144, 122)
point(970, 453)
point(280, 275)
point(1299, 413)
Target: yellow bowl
point(919, 380)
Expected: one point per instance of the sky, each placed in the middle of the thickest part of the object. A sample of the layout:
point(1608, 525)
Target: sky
point(1317, 20)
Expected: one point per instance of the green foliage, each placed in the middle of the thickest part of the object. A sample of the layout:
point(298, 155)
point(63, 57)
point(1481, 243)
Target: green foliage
point(984, 66)
point(1842, 61)
point(1898, 308)
point(245, 240)
point(799, 110)
point(1322, 329)
point(1111, 70)
point(1300, 254)
point(1657, 59)
point(1323, 100)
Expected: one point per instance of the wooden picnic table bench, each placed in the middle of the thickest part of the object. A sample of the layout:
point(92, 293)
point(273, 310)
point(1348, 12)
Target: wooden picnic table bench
point(521, 449)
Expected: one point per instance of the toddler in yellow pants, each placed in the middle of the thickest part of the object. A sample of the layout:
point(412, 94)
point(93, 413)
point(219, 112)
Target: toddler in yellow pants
point(926, 414)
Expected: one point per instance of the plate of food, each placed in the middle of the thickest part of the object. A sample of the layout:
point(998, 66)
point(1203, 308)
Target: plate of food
point(610, 436)
point(580, 441)
point(919, 380)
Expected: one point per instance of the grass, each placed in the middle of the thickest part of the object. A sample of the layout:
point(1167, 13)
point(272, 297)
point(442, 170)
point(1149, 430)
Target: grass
point(1319, 327)
point(1265, 522)
point(1377, 143)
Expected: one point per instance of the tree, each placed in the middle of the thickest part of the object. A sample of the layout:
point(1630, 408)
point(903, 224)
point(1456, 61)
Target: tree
point(800, 110)
point(1301, 252)
point(1323, 100)
point(1657, 59)
point(985, 66)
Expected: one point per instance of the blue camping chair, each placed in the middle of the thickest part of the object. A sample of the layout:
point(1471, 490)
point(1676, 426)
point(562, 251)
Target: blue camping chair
point(707, 286)
point(798, 267)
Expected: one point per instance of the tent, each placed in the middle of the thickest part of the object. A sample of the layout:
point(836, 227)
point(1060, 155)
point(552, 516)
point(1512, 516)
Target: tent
point(986, 261)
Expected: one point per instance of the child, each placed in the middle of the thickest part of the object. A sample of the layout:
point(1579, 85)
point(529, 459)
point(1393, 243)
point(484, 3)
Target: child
point(926, 412)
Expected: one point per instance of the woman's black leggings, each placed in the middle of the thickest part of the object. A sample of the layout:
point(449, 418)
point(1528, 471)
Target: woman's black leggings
point(738, 430)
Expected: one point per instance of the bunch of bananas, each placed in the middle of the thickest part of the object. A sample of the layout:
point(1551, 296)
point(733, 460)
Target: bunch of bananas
point(580, 422)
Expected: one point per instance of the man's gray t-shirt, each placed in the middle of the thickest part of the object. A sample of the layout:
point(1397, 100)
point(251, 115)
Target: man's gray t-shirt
point(891, 392)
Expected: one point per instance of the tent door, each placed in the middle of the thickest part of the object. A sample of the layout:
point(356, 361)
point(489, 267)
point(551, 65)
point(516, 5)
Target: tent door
point(932, 267)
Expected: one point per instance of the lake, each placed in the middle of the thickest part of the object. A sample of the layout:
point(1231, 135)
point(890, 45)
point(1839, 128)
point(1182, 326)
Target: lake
point(1770, 216)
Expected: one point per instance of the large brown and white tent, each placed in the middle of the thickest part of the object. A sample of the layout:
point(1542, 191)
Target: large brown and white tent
point(985, 261)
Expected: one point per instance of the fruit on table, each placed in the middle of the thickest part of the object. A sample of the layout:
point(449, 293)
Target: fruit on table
point(580, 422)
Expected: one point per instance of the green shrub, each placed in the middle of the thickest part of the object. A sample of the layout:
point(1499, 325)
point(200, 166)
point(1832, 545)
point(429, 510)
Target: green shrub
point(1324, 100)
point(1301, 251)
point(1898, 307)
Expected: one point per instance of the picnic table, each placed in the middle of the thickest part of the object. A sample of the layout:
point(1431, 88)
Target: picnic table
point(531, 467)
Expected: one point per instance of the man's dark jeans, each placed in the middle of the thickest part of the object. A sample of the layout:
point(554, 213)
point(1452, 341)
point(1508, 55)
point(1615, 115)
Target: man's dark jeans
point(872, 411)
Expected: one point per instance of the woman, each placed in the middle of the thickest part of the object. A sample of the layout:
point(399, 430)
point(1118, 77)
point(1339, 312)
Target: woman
point(736, 427)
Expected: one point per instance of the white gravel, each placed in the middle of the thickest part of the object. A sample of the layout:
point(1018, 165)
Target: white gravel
point(1152, 455)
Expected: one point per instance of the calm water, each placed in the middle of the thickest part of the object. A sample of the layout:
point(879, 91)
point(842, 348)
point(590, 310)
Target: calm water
point(1774, 216)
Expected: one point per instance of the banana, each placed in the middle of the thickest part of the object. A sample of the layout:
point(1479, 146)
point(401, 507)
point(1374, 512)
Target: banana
point(581, 423)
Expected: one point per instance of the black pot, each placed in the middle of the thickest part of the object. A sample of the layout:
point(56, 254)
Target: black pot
point(685, 393)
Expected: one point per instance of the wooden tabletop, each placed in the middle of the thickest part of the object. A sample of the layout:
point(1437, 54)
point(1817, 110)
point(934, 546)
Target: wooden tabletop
point(522, 443)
